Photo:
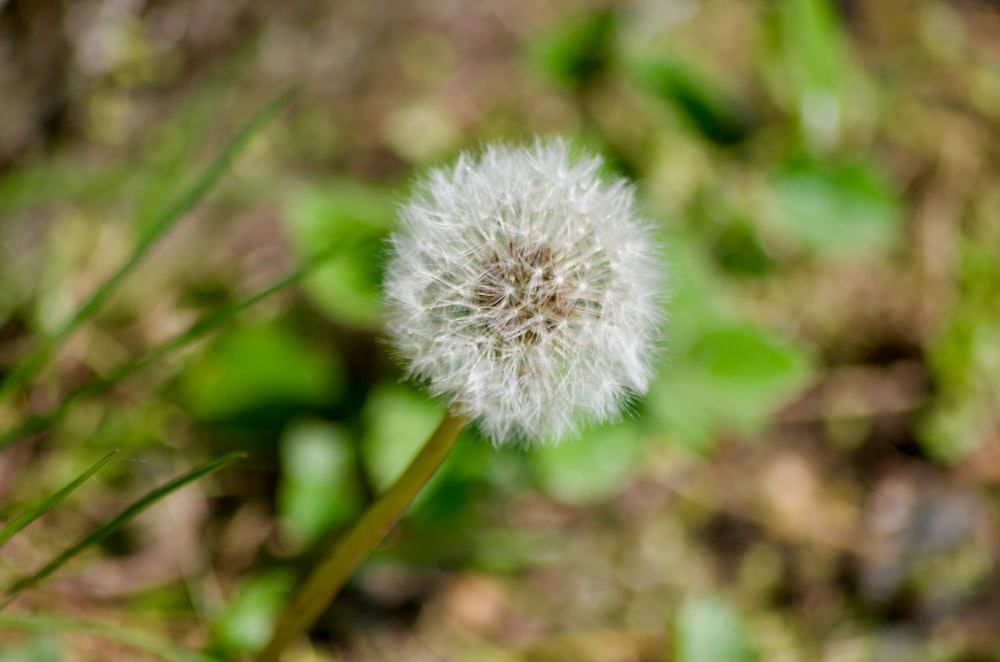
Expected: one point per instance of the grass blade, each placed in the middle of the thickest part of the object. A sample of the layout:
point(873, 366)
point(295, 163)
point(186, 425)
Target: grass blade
point(49, 502)
point(157, 229)
point(116, 522)
point(198, 329)
point(128, 636)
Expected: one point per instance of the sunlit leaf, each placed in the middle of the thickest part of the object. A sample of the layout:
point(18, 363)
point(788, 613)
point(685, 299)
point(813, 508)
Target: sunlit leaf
point(708, 629)
point(846, 209)
point(815, 77)
point(592, 468)
point(398, 421)
point(245, 624)
point(348, 286)
point(732, 378)
point(318, 488)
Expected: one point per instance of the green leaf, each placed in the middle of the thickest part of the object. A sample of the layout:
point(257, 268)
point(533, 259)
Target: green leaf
point(708, 629)
point(578, 51)
point(847, 209)
point(590, 469)
point(245, 624)
point(731, 379)
point(713, 114)
point(348, 286)
point(252, 367)
point(130, 636)
point(749, 371)
point(813, 75)
point(318, 488)
point(738, 357)
point(812, 43)
point(50, 502)
point(398, 420)
point(116, 522)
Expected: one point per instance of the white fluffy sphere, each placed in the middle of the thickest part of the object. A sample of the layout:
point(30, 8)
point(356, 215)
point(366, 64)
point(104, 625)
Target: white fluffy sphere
point(526, 288)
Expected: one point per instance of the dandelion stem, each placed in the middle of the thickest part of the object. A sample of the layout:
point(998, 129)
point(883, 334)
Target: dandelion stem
point(333, 571)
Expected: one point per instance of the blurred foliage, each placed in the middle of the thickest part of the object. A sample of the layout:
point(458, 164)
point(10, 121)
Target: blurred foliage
point(336, 214)
point(707, 629)
point(819, 446)
point(251, 367)
point(707, 111)
point(245, 623)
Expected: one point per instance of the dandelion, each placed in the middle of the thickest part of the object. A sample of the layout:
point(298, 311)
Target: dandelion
point(525, 288)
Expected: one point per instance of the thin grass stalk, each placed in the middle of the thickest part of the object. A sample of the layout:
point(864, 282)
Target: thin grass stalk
point(116, 522)
point(48, 503)
point(198, 329)
point(26, 370)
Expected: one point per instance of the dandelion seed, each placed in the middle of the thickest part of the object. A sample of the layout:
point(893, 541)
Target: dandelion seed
point(527, 289)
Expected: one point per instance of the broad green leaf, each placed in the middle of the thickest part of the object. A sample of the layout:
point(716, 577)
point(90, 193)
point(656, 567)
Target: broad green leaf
point(698, 299)
point(252, 367)
point(116, 522)
point(812, 43)
point(814, 76)
point(715, 115)
point(245, 624)
point(50, 502)
point(318, 488)
point(738, 356)
point(709, 629)
point(733, 378)
point(592, 468)
point(398, 420)
point(684, 417)
point(839, 210)
point(576, 52)
point(748, 372)
point(348, 286)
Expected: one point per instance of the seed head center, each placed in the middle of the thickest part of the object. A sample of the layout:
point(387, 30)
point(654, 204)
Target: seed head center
point(523, 293)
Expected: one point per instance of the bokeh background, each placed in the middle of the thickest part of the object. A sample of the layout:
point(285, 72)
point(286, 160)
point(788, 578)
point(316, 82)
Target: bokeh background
point(813, 476)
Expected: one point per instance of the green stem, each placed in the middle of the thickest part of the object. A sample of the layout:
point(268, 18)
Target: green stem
point(331, 574)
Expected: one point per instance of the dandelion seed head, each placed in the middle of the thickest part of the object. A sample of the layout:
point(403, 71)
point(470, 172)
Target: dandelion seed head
point(526, 288)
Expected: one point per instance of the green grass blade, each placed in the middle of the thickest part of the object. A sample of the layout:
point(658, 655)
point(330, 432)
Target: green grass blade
point(159, 227)
point(116, 522)
point(198, 329)
point(133, 638)
point(49, 502)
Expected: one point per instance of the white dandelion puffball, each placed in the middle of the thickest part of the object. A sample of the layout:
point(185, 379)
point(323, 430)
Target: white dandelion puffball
point(526, 288)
